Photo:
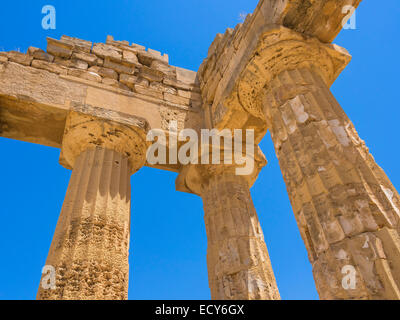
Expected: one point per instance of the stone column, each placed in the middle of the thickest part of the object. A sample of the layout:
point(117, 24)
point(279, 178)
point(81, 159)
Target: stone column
point(90, 248)
point(346, 207)
point(239, 267)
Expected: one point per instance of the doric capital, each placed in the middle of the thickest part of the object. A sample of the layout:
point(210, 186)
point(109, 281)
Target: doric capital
point(194, 177)
point(89, 127)
point(280, 49)
point(244, 61)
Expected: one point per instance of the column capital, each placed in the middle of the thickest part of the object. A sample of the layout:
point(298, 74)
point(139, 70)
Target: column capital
point(193, 177)
point(281, 49)
point(88, 127)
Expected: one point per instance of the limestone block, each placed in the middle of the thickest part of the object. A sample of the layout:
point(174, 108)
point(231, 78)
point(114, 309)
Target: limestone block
point(130, 57)
point(189, 95)
point(145, 58)
point(71, 63)
point(106, 51)
point(176, 99)
point(110, 82)
point(163, 88)
point(105, 72)
point(151, 74)
point(115, 84)
point(177, 84)
point(19, 58)
point(138, 47)
point(89, 58)
point(186, 76)
point(51, 67)
point(143, 82)
point(32, 50)
point(164, 68)
point(148, 91)
point(3, 59)
point(88, 75)
point(41, 55)
point(79, 64)
point(119, 66)
point(59, 48)
point(128, 80)
point(110, 40)
point(78, 44)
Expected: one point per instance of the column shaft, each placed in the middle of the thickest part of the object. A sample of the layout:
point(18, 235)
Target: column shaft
point(90, 247)
point(238, 262)
point(346, 208)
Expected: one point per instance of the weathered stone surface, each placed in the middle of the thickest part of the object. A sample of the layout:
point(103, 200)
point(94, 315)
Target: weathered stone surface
point(151, 74)
point(271, 72)
point(190, 95)
point(148, 92)
point(90, 247)
point(163, 88)
point(19, 58)
point(164, 68)
point(79, 64)
point(88, 75)
point(78, 44)
point(51, 67)
point(239, 267)
point(119, 67)
point(186, 76)
point(71, 63)
point(176, 99)
point(34, 100)
point(128, 80)
point(91, 244)
point(59, 48)
point(110, 82)
point(39, 54)
point(89, 58)
point(115, 84)
point(130, 57)
point(105, 72)
point(238, 263)
point(341, 198)
point(143, 82)
point(105, 51)
point(89, 127)
point(177, 84)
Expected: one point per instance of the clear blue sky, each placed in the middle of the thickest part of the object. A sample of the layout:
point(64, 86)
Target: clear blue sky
point(168, 240)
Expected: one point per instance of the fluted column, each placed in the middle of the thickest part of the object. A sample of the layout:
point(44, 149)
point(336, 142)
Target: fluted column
point(90, 248)
point(346, 207)
point(239, 267)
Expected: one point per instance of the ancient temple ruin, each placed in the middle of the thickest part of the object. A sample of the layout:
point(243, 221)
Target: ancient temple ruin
point(97, 102)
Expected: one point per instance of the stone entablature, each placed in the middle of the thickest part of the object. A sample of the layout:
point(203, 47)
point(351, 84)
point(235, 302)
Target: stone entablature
point(114, 75)
point(116, 64)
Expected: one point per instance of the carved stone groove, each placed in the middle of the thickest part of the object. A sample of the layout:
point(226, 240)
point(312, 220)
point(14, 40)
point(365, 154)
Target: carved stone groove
point(238, 262)
point(347, 209)
point(90, 247)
